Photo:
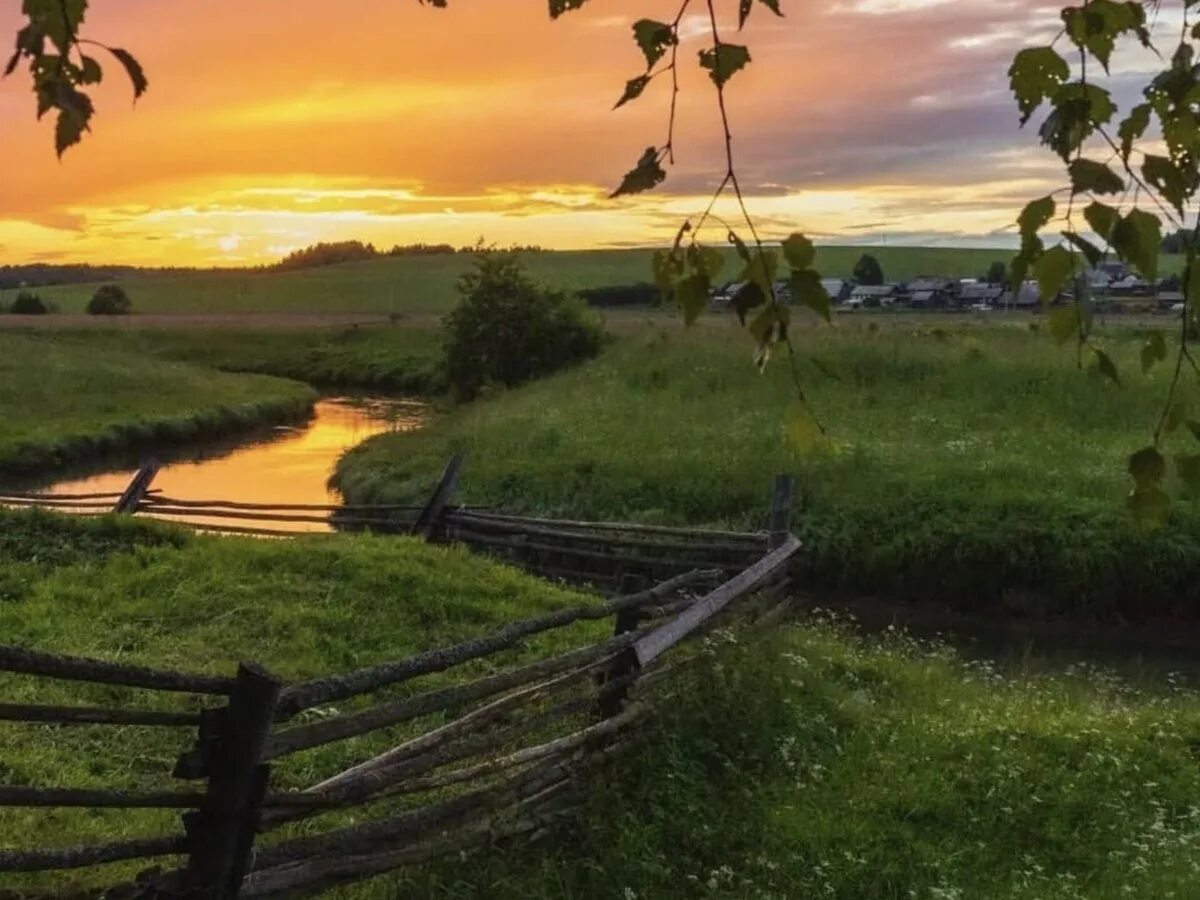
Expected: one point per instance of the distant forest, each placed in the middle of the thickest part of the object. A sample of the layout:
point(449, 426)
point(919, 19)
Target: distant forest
point(315, 256)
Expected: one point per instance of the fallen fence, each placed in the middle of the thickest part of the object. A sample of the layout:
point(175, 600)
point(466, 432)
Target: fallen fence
point(419, 772)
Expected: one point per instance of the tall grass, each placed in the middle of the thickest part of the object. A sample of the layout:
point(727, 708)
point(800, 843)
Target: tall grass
point(977, 466)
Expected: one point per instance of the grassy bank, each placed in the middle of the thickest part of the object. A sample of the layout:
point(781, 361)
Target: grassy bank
point(816, 764)
point(398, 359)
point(426, 284)
point(976, 466)
point(66, 402)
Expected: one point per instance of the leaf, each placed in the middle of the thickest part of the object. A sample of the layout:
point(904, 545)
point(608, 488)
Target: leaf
point(749, 296)
point(706, 261)
point(667, 267)
point(1133, 127)
point(1090, 251)
point(799, 251)
point(724, 61)
point(692, 295)
point(1169, 180)
point(742, 250)
point(761, 270)
point(633, 89)
point(807, 290)
point(745, 6)
point(90, 72)
point(1052, 272)
point(1063, 322)
point(1034, 216)
point(1137, 239)
point(1147, 467)
point(1079, 109)
point(74, 112)
point(558, 7)
point(1036, 73)
point(1153, 351)
point(1106, 366)
point(1194, 427)
point(1102, 218)
point(645, 175)
point(803, 431)
point(653, 38)
point(1096, 177)
point(1188, 467)
point(1150, 505)
point(133, 69)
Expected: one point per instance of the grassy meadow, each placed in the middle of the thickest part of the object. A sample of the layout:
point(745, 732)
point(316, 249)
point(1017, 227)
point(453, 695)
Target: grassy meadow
point(818, 763)
point(67, 402)
point(426, 285)
point(974, 465)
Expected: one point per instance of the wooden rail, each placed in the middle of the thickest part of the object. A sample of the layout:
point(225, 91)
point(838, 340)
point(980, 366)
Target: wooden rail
point(498, 755)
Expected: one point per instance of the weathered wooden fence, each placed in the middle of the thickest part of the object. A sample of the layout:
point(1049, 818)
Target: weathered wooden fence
point(482, 759)
point(599, 554)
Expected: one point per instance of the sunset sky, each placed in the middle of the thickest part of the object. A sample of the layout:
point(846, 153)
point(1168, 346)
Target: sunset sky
point(273, 124)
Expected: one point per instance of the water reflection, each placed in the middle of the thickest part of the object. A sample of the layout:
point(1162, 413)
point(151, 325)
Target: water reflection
point(285, 465)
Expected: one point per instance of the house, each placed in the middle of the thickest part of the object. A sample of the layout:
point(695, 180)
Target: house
point(838, 289)
point(979, 293)
point(873, 296)
point(1026, 298)
point(933, 293)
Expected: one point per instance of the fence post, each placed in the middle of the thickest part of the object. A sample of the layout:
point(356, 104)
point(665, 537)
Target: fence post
point(612, 701)
point(221, 833)
point(133, 495)
point(781, 509)
point(429, 515)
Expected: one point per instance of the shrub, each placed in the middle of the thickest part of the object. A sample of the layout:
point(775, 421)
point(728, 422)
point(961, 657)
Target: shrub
point(109, 300)
point(508, 330)
point(28, 304)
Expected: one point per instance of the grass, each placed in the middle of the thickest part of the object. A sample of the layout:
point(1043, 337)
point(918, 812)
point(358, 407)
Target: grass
point(828, 765)
point(423, 285)
point(146, 593)
point(394, 359)
point(66, 402)
point(816, 763)
point(975, 466)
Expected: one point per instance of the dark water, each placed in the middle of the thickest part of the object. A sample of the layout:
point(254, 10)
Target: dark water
point(288, 464)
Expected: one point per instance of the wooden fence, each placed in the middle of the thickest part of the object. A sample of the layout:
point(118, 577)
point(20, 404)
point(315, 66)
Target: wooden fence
point(598, 554)
point(479, 760)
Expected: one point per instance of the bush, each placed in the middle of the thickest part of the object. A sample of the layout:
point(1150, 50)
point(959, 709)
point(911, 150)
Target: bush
point(508, 330)
point(28, 304)
point(110, 300)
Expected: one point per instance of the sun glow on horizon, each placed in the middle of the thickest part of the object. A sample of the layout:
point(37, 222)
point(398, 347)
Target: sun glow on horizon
point(496, 123)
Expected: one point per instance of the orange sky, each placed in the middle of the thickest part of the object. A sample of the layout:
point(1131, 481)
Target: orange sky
point(272, 124)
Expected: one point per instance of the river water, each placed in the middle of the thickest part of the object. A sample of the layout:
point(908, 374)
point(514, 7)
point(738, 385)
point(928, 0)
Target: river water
point(287, 464)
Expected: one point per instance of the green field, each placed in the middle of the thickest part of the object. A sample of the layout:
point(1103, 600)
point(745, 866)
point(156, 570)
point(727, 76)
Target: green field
point(64, 402)
point(973, 465)
point(815, 764)
point(420, 285)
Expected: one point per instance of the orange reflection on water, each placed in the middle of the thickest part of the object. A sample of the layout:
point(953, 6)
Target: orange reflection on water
point(289, 465)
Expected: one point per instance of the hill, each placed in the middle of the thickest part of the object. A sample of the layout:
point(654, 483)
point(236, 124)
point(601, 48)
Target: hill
point(425, 285)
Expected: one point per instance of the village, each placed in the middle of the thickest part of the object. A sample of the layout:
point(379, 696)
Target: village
point(1113, 287)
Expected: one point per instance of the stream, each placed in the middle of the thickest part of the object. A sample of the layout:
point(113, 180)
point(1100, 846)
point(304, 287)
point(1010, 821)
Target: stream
point(284, 464)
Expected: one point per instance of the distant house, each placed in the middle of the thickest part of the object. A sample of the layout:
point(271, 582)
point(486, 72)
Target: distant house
point(1026, 298)
point(1169, 299)
point(1131, 286)
point(838, 289)
point(933, 293)
point(873, 295)
point(979, 292)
